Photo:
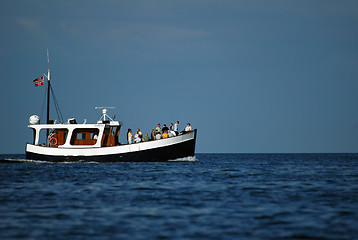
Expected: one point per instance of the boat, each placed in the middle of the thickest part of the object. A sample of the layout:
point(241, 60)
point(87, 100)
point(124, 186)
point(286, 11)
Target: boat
point(99, 142)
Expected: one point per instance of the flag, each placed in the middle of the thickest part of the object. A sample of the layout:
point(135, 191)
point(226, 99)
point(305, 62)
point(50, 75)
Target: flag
point(39, 81)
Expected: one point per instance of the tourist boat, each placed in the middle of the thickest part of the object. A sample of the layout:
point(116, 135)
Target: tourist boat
point(99, 142)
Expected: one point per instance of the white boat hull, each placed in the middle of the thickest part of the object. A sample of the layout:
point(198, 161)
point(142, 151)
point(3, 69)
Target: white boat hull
point(157, 150)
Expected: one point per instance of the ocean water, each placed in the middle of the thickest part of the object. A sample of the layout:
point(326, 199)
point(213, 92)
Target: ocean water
point(211, 196)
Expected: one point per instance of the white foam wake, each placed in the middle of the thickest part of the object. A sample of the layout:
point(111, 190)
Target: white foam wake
point(185, 159)
point(23, 160)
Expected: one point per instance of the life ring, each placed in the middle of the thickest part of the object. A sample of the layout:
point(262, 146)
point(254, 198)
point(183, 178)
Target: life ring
point(52, 142)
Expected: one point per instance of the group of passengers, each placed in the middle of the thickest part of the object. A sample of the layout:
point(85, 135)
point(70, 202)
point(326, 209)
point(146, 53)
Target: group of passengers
point(157, 133)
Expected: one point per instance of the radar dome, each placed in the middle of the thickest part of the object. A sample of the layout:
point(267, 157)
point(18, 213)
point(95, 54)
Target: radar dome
point(34, 119)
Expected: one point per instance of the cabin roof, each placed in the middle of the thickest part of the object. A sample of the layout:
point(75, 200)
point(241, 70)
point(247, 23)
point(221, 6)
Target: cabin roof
point(73, 126)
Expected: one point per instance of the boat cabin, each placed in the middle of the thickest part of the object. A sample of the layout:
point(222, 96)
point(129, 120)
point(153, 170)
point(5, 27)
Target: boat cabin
point(73, 135)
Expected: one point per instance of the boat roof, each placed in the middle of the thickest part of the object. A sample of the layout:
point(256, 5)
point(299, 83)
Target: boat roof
point(99, 124)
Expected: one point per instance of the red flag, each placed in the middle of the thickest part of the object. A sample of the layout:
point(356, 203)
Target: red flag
point(39, 81)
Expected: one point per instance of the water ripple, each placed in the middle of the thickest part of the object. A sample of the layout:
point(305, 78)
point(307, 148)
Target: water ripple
point(217, 196)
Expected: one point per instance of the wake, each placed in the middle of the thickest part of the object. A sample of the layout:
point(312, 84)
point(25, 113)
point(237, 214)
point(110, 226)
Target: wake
point(185, 159)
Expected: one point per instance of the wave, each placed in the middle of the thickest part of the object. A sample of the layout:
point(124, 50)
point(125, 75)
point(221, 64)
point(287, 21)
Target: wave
point(185, 159)
point(17, 160)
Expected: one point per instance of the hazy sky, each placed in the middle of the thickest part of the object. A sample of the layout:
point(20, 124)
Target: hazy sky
point(251, 76)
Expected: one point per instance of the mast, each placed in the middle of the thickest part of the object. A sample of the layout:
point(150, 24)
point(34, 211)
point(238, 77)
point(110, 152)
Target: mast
point(48, 90)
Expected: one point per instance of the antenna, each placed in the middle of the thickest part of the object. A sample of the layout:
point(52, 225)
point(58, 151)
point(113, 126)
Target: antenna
point(104, 112)
point(48, 66)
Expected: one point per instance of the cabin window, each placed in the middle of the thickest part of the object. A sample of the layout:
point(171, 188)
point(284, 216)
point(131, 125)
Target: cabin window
point(84, 136)
point(94, 136)
point(81, 136)
point(113, 131)
point(60, 134)
point(43, 137)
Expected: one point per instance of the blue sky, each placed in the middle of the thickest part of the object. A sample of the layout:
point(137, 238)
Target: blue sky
point(251, 76)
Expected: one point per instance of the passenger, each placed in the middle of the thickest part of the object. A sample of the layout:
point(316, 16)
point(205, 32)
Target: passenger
point(146, 138)
point(158, 136)
point(129, 136)
point(137, 139)
point(165, 128)
point(165, 135)
point(187, 128)
point(158, 129)
point(152, 136)
point(172, 134)
point(171, 128)
point(176, 127)
point(140, 135)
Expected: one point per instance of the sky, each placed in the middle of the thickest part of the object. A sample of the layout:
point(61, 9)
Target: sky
point(252, 76)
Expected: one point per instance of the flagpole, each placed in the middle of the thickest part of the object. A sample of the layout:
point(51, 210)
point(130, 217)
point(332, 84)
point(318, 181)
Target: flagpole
point(48, 90)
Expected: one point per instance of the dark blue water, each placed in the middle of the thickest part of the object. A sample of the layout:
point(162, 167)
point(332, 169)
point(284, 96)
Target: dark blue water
point(214, 196)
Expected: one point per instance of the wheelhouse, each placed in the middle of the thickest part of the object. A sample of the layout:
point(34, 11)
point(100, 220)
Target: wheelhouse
point(102, 134)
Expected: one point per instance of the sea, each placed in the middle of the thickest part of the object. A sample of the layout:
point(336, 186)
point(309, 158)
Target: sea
point(209, 196)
